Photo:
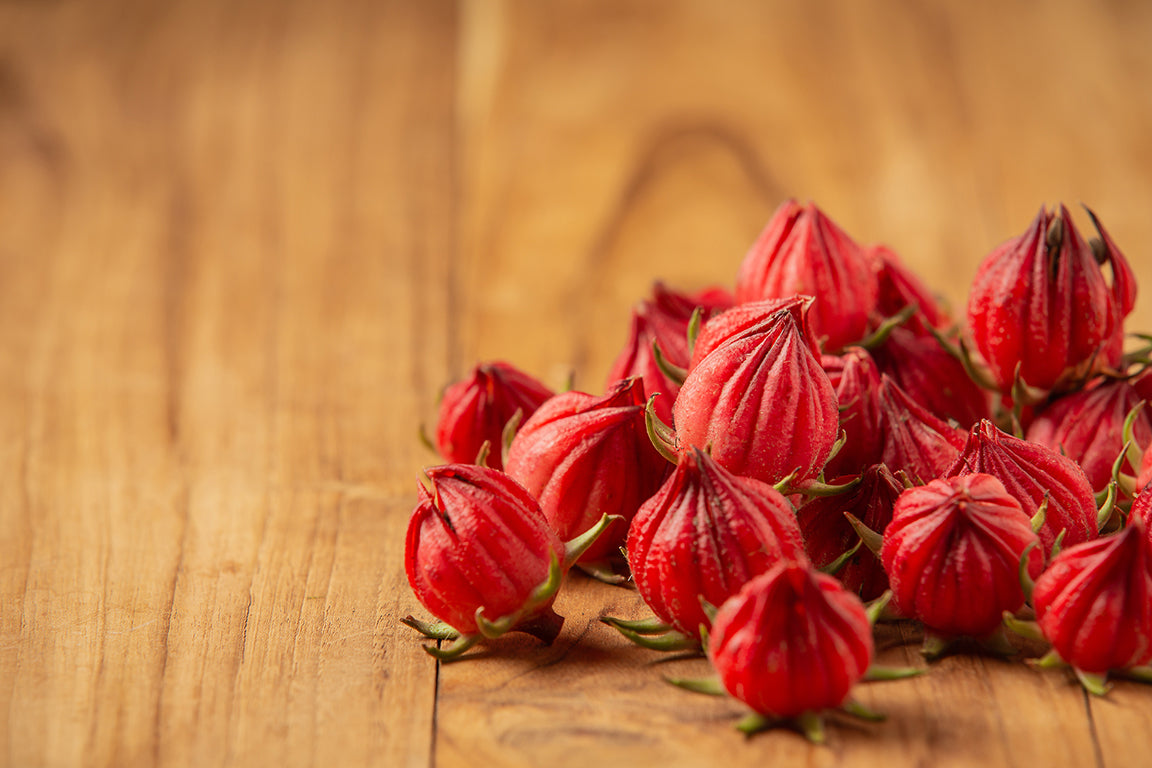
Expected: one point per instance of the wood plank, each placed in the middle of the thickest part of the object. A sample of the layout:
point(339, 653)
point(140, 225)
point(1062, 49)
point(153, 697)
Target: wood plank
point(678, 131)
point(201, 326)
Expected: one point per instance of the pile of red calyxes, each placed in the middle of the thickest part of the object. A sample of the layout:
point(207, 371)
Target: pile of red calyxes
point(779, 469)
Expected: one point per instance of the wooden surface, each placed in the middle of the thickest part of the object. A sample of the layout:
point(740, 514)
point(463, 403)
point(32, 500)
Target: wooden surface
point(242, 245)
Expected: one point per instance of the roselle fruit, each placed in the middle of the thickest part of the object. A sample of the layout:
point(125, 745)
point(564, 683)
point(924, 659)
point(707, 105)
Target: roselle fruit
point(704, 534)
point(914, 439)
point(584, 456)
point(1042, 307)
point(477, 409)
point(828, 535)
point(762, 403)
point(663, 321)
point(900, 288)
point(856, 379)
point(953, 551)
point(791, 641)
point(1094, 603)
point(1087, 426)
point(931, 376)
point(801, 251)
point(1032, 473)
point(478, 547)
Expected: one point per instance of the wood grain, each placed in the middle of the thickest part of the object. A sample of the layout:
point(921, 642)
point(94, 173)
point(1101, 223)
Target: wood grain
point(242, 245)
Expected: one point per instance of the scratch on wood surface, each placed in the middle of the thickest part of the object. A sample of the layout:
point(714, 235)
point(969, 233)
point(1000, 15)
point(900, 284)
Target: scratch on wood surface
point(1096, 750)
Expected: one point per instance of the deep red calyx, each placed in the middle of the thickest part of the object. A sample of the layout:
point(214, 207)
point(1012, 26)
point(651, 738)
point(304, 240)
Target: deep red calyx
point(478, 541)
point(828, 534)
point(899, 288)
point(1041, 304)
point(915, 440)
point(791, 641)
point(585, 456)
point(1032, 472)
point(662, 320)
point(1094, 603)
point(932, 377)
point(762, 403)
point(1087, 426)
point(476, 409)
point(854, 376)
point(801, 251)
point(952, 553)
point(705, 533)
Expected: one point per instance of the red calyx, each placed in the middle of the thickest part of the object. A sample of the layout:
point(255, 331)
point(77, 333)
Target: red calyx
point(475, 410)
point(1040, 305)
point(915, 440)
point(662, 320)
point(1087, 426)
point(585, 456)
point(828, 534)
point(1094, 603)
point(791, 641)
point(1032, 472)
point(952, 553)
point(932, 377)
point(763, 404)
point(801, 251)
point(704, 534)
point(479, 542)
point(856, 379)
point(899, 288)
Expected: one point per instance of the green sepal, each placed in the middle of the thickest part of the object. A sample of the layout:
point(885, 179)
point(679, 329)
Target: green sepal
point(602, 571)
point(436, 630)
point(856, 709)
point(1095, 684)
point(1125, 482)
point(880, 674)
point(710, 686)
point(935, 646)
point(1057, 545)
point(709, 609)
point(1026, 582)
point(754, 723)
point(669, 641)
point(1104, 514)
point(998, 644)
point(1022, 627)
point(1131, 449)
point(650, 626)
point(811, 724)
point(482, 454)
point(889, 324)
point(838, 564)
point(576, 547)
point(815, 488)
point(694, 323)
point(1141, 674)
point(508, 433)
point(875, 609)
point(454, 651)
point(873, 540)
point(663, 437)
point(1041, 515)
point(1050, 660)
point(675, 373)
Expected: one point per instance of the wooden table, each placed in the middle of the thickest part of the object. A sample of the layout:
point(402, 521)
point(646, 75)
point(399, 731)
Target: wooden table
point(242, 246)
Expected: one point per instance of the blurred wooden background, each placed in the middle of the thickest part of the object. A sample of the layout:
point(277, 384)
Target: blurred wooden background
point(243, 244)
